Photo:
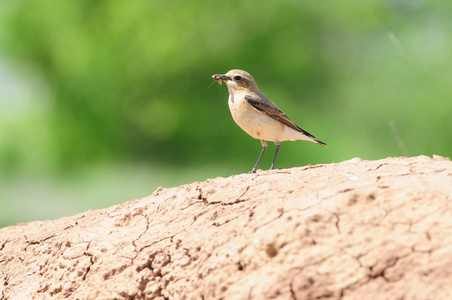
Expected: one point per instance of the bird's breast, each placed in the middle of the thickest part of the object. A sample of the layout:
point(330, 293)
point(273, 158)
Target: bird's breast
point(255, 123)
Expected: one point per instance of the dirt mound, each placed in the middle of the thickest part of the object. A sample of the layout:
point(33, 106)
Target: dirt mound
point(351, 230)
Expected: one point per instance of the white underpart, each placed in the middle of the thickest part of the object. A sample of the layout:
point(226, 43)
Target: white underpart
point(259, 125)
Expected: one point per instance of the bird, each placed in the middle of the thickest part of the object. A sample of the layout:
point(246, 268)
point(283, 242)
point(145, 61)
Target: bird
point(259, 116)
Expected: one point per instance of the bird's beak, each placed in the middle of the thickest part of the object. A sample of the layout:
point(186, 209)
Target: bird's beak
point(220, 78)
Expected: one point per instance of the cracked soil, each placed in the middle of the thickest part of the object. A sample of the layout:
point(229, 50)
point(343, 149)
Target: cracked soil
point(351, 230)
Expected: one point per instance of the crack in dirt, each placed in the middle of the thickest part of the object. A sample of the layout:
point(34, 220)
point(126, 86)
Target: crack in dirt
point(37, 242)
point(5, 284)
point(91, 260)
point(292, 292)
point(281, 213)
point(218, 224)
point(4, 244)
point(140, 236)
point(381, 273)
point(378, 167)
point(204, 200)
point(75, 223)
point(360, 282)
point(337, 222)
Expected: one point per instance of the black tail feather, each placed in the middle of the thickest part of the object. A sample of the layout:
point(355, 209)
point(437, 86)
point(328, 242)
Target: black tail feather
point(320, 143)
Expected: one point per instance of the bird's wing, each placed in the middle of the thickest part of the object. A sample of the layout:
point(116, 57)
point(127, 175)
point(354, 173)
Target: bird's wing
point(275, 113)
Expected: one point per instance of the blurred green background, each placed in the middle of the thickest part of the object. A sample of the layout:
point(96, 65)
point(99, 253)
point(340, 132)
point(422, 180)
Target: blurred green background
point(104, 101)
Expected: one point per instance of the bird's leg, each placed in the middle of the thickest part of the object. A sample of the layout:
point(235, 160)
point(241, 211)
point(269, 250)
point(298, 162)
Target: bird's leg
point(264, 146)
point(277, 144)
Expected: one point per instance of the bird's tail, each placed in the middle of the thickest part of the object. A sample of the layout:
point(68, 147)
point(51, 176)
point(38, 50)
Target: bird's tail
point(320, 142)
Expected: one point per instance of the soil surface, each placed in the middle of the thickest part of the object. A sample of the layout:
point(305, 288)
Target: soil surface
point(351, 230)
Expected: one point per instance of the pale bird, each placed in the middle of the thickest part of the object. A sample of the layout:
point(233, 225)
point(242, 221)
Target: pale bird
point(257, 115)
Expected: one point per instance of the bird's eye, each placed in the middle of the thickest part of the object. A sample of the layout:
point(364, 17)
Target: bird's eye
point(237, 77)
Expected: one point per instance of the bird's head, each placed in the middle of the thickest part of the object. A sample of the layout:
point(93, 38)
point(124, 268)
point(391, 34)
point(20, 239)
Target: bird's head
point(237, 80)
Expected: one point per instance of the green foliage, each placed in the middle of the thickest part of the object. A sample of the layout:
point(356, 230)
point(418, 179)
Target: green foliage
point(129, 80)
